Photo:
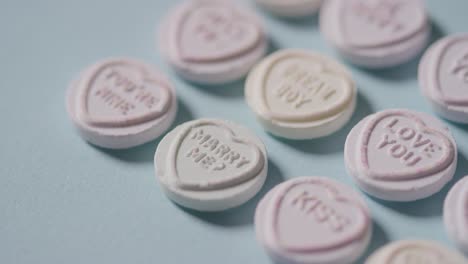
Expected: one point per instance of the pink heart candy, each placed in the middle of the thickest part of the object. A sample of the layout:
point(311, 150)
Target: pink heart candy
point(397, 145)
point(212, 31)
point(314, 215)
point(123, 93)
point(375, 23)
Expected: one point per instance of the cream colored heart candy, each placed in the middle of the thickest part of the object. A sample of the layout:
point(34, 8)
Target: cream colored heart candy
point(415, 252)
point(299, 94)
point(121, 103)
point(211, 165)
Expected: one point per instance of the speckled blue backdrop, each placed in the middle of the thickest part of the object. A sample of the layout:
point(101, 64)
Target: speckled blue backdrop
point(64, 201)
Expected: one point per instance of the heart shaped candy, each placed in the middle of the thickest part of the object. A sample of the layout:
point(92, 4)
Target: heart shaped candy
point(450, 71)
point(122, 93)
point(416, 254)
point(208, 155)
point(303, 87)
point(312, 215)
point(374, 23)
point(215, 30)
point(397, 145)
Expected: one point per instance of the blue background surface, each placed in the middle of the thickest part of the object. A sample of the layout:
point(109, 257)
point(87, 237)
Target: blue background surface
point(65, 201)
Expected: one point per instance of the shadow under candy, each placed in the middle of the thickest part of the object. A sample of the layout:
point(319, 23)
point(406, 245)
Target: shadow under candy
point(244, 214)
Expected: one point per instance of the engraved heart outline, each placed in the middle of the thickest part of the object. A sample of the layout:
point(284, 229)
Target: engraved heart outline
point(436, 69)
point(336, 108)
point(390, 258)
point(242, 21)
point(383, 42)
point(357, 232)
point(442, 163)
point(243, 175)
point(136, 119)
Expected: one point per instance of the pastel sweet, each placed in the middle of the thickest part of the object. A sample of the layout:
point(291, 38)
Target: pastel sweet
point(291, 8)
point(376, 33)
point(400, 155)
point(313, 220)
point(212, 41)
point(120, 103)
point(298, 94)
point(415, 252)
point(456, 214)
point(443, 77)
point(211, 165)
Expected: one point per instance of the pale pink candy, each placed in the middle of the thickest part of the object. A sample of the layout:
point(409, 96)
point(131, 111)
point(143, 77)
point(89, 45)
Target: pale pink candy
point(373, 23)
point(397, 145)
point(400, 155)
point(313, 220)
point(121, 103)
point(212, 41)
point(212, 32)
point(443, 77)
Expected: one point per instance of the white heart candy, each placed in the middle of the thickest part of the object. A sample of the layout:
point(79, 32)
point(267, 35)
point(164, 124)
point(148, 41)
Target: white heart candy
point(208, 155)
point(396, 145)
point(313, 215)
point(212, 31)
point(122, 93)
point(303, 87)
point(374, 23)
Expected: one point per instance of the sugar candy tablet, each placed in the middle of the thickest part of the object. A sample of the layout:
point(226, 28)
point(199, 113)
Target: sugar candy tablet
point(400, 155)
point(211, 165)
point(313, 220)
point(212, 41)
point(120, 103)
point(415, 252)
point(291, 8)
point(443, 77)
point(298, 94)
point(456, 214)
point(376, 33)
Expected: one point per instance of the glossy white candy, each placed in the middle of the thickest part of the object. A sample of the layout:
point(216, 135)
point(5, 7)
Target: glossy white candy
point(415, 252)
point(211, 165)
point(291, 8)
point(121, 103)
point(299, 94)
point(443, 77)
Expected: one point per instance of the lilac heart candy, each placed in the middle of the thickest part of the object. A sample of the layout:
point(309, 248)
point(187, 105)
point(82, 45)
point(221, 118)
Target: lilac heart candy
point(313, 220)
point(121, 103)
point(443, 77)
point(376, 33)
point(212, 41)
point(456, 214)
point(400, 155)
